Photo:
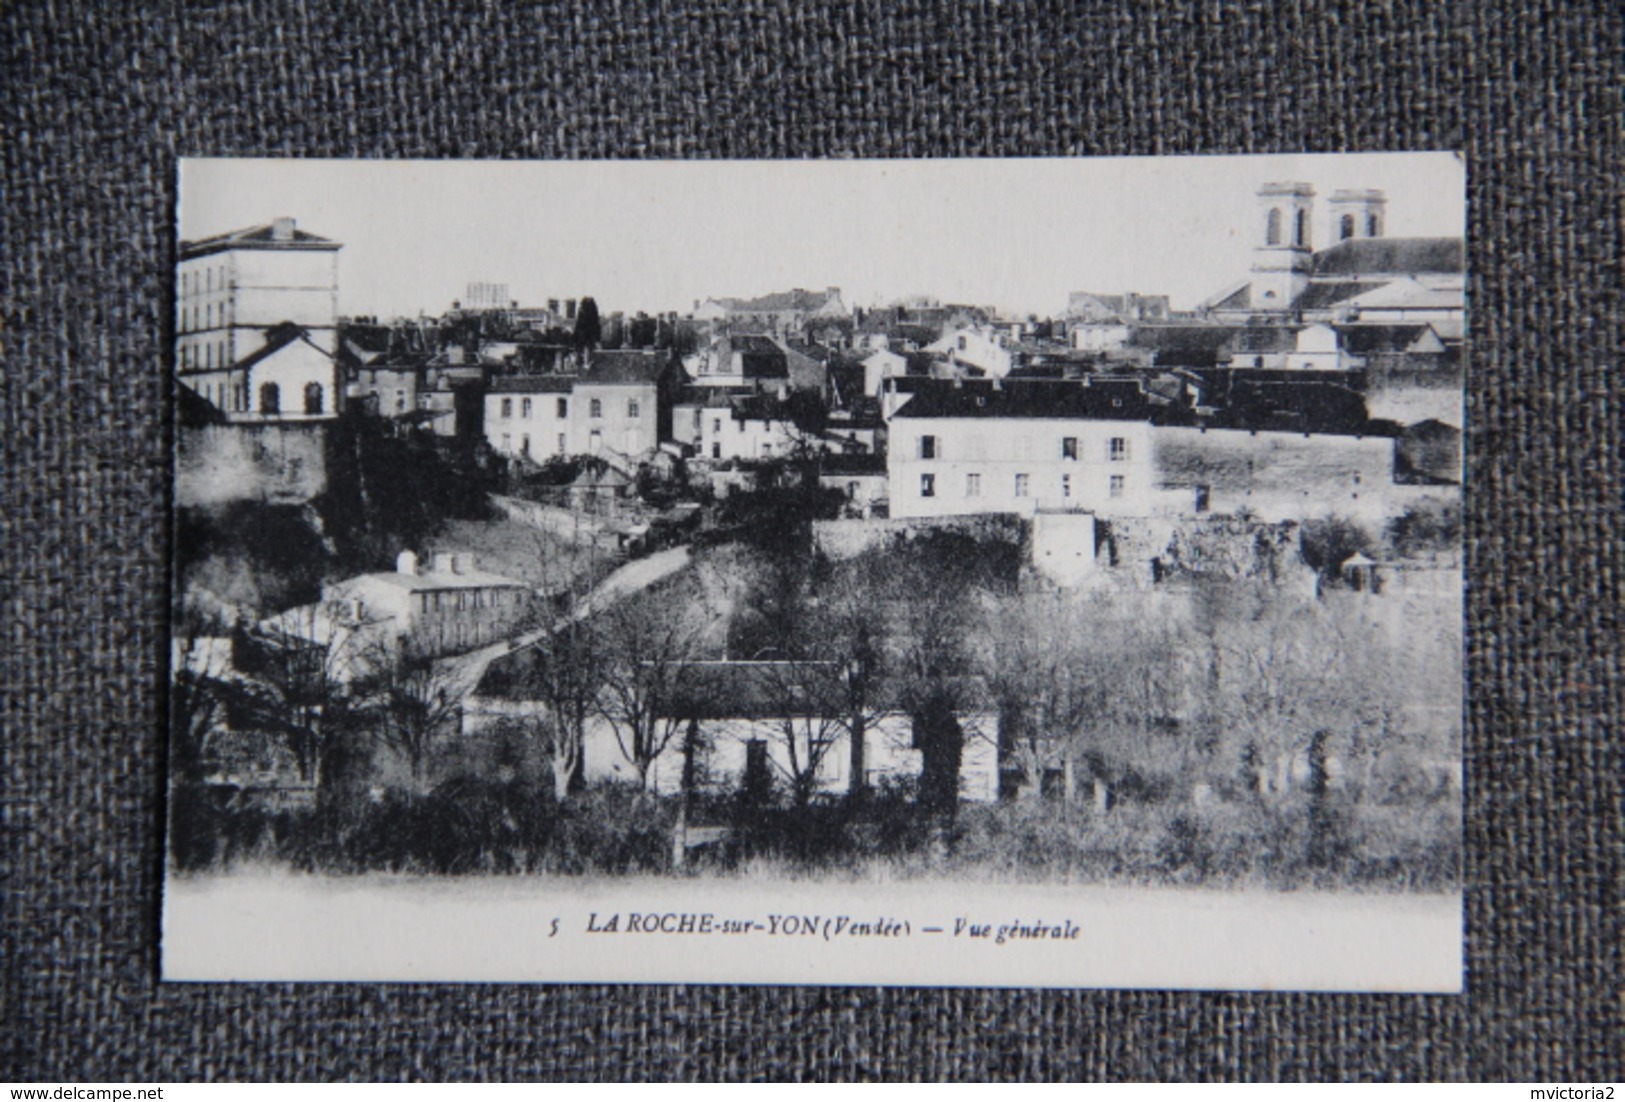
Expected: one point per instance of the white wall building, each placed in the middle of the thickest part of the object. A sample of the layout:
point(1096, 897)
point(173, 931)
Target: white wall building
point(241, 292)
point(1020, 448)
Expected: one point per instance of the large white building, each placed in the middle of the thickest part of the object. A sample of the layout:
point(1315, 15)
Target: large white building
point(1021, 447)
point(611, 408)
point(257, 322)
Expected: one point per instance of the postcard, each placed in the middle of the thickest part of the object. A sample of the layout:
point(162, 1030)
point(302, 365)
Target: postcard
point(1015, 573)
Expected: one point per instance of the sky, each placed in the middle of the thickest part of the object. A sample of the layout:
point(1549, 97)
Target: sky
point(658, 235)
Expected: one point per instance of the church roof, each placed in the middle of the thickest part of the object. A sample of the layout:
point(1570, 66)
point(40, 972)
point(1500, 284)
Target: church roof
point(1395, 256)
point(1323, 293)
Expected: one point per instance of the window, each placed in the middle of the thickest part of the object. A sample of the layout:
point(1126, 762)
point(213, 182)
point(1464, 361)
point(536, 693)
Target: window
point(1272, 231)
point(716, 424)
point(400, 401)
point(596, 409)
point(1372, 226)
point(928, 447)
point(270, 398)
point(507, 441)
point(208, 354)
point(507, 407)
point(1300, 234)
point(1345, 227)
point(1069, 447)
point(313, 397)
point(1021, 485)
point(563, 447)
point(716, 450)
point(1117, 449)
point(632, 407)
point(699, 422)
point(964, 342)
point(564, 408)
point(524, 444)
point(595, 441)
point(1117, 484)
point(973, 485)
point(767, 449)
point(524, 408)
point(1066, 485)
point(928, 485)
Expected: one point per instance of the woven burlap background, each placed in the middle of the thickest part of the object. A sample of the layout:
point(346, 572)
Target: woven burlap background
point(97, 101)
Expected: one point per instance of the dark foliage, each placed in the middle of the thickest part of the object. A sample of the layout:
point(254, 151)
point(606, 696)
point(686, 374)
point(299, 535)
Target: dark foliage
point(388, 491)
point(1327, 543)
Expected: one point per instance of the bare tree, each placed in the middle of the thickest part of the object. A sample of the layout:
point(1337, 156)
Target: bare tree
point(806, 699)
point(844, 626)
point(567, 672)
point(650, 644)
point(410, 701)
point(1044, 685)
point(297, 688)
point(199, 693)
point(1278, 679)
point(936, 619)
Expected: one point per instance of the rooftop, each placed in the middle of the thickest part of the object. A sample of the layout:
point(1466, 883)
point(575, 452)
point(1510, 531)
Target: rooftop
point(1094, 399)
point(625, 368)
point(1396, 256)
point(283, 233)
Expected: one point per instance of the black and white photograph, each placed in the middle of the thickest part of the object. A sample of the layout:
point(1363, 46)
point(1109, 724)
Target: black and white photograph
point(1010, 573)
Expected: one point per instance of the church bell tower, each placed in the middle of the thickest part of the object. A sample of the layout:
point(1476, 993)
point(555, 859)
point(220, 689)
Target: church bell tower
point(1284, 254)
point(1357, 214)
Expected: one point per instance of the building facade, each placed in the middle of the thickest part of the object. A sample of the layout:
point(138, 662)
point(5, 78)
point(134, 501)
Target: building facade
point(241, 293)
point(1020, 448)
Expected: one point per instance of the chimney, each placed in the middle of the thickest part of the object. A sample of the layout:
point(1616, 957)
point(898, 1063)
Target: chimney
point(442, 563)
point(282, 229)
point(462, 562)
point(406, 563)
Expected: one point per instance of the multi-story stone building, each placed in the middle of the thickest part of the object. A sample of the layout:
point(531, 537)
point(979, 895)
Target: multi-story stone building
point(611, 408)
point(1022, 446)
point(257, 322)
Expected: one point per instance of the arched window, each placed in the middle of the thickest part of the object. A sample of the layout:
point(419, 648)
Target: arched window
point(1373, 228)
point(1345, 227)
point(1272, 231)
point(270, 398)
point(313, 397)
point(1301, 229)
point(596, 409)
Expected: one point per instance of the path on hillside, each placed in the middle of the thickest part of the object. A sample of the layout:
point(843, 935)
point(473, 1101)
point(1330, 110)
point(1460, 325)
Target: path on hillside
point(461, 673)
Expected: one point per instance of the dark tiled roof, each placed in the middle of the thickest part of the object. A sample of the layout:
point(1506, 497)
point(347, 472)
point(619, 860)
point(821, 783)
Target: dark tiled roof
point(1325, 293)
point(1263, 338)
point(1097, 399)
point(1239, 299)
point(1364, 339)
point(1186, 338)
point(626, 368)
point(531, 384)
point(254, 237)
point(1393, 256)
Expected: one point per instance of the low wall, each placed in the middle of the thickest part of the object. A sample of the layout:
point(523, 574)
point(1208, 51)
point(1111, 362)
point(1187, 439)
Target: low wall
point(846, 539)
point(1282, 475)
point(285, 464)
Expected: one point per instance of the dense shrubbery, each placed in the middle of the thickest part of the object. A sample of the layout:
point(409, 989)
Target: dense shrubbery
point(516, 826)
